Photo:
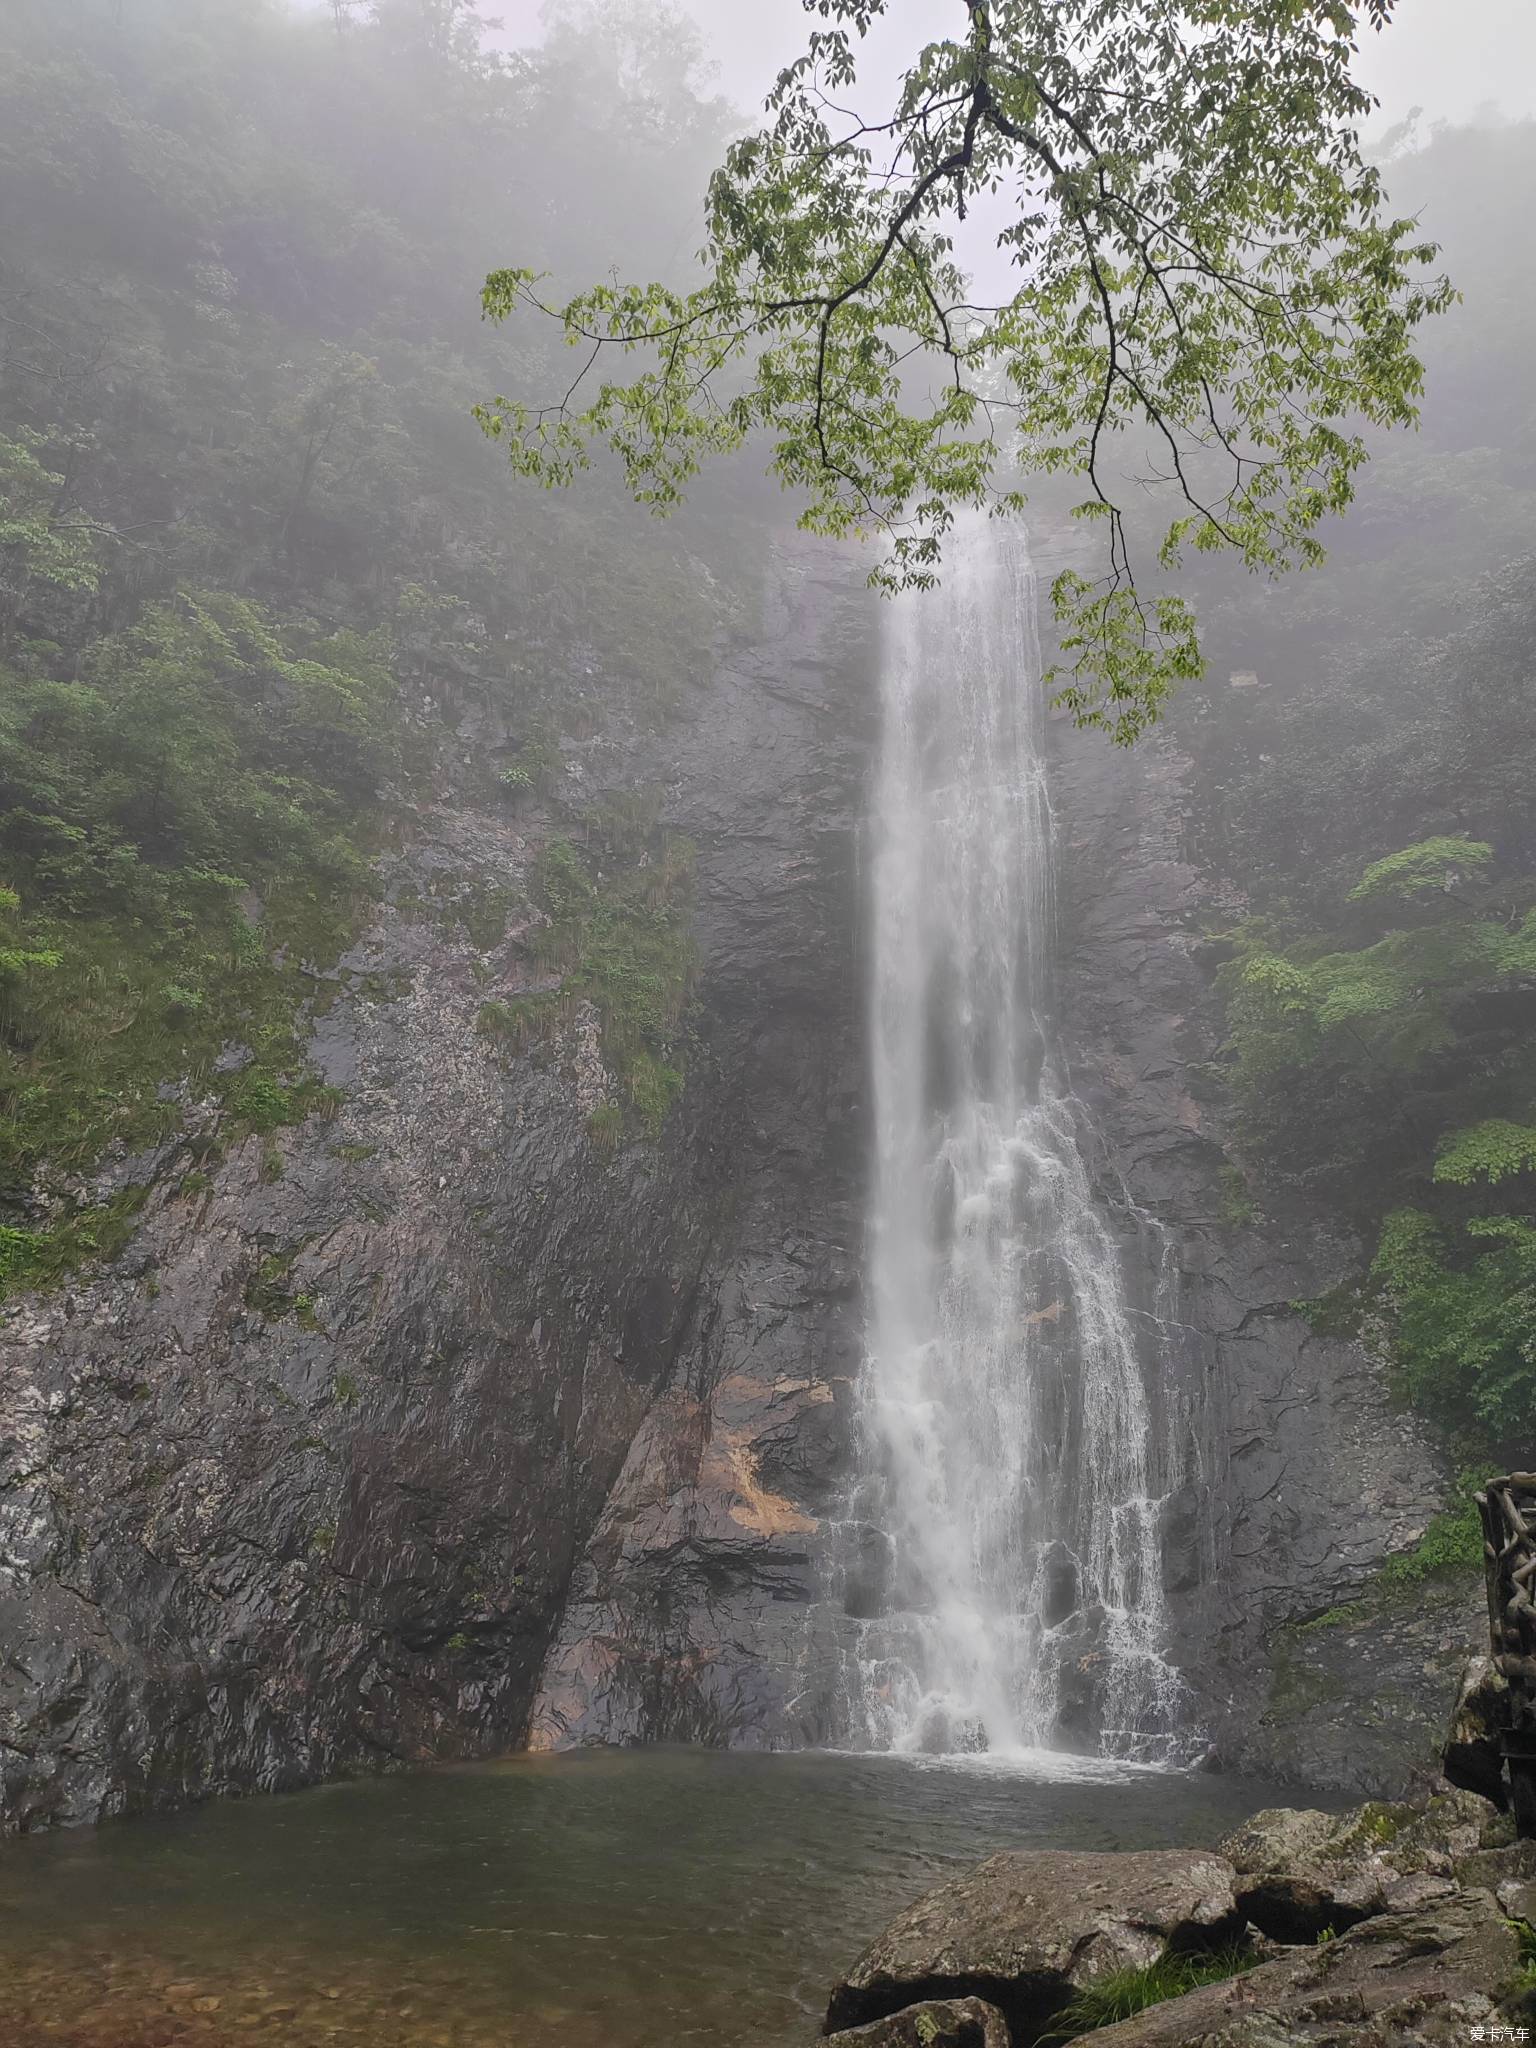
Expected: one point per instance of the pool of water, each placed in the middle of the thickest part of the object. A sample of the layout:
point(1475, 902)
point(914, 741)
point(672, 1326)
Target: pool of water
point(607, 1899)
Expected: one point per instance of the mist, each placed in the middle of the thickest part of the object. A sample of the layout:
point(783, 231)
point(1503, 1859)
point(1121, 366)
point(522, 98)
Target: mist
point(1453, 61)
point(767, 1118)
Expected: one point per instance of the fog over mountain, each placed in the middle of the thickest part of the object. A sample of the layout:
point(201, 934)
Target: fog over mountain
point(767, 1024)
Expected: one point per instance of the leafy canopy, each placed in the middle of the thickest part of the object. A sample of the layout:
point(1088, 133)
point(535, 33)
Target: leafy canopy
point(255, 573)
point(1205, 285)
point(37, 542)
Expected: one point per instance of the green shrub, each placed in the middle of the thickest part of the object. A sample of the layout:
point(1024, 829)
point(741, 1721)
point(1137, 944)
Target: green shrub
point(1431, 867)
point(260, 1103)
point(653, 1088)
point(1325, 1037)
point(202, 752)
point(267, 1290)
point(1236, 1204)
point(194, 782)
point(496, 1020)
point(1451, 1545)
point(1491, 1151)
point(1346, 1057)
point(482, 910)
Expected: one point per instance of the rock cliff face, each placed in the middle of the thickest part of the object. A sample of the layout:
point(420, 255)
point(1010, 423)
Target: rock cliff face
point(299, 1483)
point(1292, 1475)
point(699, 1610)
point(436, 1426)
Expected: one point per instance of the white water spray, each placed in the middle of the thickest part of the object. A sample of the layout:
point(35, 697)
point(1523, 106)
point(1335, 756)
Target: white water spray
point(1009, 1463)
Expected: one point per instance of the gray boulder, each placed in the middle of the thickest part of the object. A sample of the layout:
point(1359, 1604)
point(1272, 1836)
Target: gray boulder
point(1472, 1757)
point(1301, 1873)
point(1440, 1834)
point(936, 2023)
point(1410, 1980)
point(1304, 1873)
point(1023, 1931)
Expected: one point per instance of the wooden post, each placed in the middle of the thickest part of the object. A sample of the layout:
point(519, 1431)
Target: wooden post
point(1508, 1511)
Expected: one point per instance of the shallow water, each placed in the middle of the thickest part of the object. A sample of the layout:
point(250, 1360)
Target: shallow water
point(607, 1899)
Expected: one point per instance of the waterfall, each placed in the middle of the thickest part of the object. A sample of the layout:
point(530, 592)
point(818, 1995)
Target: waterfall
point(1010, 1579)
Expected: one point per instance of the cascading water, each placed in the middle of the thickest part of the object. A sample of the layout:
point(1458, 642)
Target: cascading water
point(1009, 1467)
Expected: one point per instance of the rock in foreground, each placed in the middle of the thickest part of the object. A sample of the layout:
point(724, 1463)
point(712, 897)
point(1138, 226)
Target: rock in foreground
point(1473, 1755)
point(1301, 1874)
point(1025, 1931)
point(1438, 1898)
point(936, 2023)
point(1430, 1979)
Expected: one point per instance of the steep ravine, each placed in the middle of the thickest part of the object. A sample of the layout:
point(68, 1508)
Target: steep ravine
point(465, 1430)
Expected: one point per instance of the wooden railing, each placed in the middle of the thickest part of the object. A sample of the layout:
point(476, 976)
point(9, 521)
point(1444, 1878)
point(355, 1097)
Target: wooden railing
point(1508, 1510)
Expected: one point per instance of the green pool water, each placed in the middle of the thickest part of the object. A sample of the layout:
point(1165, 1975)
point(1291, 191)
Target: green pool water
point(607, 1899)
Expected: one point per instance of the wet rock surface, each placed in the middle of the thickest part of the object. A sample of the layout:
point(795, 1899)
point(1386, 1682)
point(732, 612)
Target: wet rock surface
point(1024, 1931)
point(436, 1426)
point(698, 1608)
point(1354, 1699)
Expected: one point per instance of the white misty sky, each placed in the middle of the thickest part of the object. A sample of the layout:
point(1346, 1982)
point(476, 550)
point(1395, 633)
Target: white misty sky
point(1450, 57)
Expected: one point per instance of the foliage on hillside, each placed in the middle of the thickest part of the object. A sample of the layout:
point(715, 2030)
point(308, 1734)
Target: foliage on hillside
point(1462, 1305)
point(255, 558)
point(1370, 798)
point(1442, 951)
point(184, 828)
point(1402, 1054)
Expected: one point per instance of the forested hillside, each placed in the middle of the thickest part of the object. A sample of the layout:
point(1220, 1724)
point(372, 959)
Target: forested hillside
point(1365, 751)
point(252, 540)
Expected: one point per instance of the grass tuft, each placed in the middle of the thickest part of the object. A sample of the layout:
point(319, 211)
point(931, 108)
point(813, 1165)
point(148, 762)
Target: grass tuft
point(1124, 1993)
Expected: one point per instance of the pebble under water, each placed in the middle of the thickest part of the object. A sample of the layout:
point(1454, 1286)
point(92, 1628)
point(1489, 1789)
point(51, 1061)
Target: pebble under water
point(605, 1899)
